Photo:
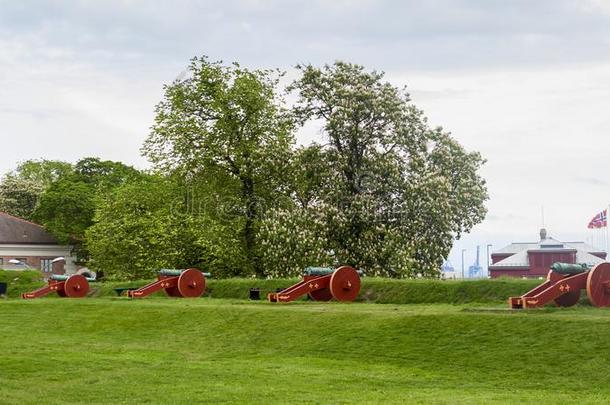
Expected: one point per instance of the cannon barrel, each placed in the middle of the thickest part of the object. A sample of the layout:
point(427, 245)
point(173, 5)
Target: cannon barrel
point(322, 271)
point(177, 272)
point(63, 277)
point(317, 271)
point(569, 268)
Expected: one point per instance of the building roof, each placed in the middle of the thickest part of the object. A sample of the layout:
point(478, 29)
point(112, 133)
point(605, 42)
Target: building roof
point(517, 260)
point(15, 230)
point(521, 259)
point(518, 247)
point(519, 251)
point(587, 258)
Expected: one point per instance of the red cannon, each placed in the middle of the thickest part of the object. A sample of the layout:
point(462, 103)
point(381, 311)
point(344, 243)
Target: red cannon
point(323, 284)
point(74, 286)
point(563, 286)
point(189, 283)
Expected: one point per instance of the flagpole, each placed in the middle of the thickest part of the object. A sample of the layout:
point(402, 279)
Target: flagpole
point(607, 239)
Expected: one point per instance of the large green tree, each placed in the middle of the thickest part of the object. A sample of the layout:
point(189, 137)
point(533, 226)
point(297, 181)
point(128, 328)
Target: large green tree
point(400, 191)
point(226, 122)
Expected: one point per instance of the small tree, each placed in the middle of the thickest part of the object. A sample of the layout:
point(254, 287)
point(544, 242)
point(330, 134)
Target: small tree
point(21, 189)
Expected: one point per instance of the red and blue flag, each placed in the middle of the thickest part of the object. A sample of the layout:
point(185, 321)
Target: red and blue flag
point(599, 221)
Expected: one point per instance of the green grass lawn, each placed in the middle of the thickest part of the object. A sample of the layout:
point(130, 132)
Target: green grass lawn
point(161, 350)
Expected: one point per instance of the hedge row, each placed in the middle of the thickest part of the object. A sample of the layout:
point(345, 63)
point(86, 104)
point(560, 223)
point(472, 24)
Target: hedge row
point(377, 290)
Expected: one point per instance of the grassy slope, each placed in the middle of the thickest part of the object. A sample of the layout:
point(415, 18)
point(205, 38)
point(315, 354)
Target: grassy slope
point(180, 351)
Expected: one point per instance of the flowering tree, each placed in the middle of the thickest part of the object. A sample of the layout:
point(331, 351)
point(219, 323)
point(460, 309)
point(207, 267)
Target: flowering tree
point(20, 189)
point(397, 191)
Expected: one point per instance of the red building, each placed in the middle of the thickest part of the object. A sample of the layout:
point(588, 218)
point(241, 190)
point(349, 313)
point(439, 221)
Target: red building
point(534, 259)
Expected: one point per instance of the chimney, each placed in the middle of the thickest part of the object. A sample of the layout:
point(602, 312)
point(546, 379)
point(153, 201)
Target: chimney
point(542, 234)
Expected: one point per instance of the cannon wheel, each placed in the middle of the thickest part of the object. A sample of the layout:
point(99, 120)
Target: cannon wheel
point(345, 284)
point(76, 286)
point(597, 289)
point(568, 299)
point(322, 294)
point(191, 283)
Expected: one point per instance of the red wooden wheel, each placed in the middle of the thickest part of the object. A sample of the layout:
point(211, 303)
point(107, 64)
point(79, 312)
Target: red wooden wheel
point(345, 284)
point(191, 283)
point(597, 285)
point(322, 294)
point(76, 286)
point(568, 299)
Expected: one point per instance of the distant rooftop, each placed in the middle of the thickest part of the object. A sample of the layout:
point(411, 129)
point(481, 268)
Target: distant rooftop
point(519, 251)
point(15, 230)
point(545, 243)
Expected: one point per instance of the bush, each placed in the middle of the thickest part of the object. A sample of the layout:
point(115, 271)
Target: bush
point(20, 281)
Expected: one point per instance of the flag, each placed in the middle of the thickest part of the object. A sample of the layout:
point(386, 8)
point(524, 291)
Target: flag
point(599, 221)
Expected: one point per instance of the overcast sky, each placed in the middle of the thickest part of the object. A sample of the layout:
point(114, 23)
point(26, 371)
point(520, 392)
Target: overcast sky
point(526, 83)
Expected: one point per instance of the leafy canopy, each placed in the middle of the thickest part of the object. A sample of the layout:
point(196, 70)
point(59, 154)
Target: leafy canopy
point(226, 122)
point(400, 191)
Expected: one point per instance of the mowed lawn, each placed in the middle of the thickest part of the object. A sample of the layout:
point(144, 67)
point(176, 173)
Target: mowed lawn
point(163, 350)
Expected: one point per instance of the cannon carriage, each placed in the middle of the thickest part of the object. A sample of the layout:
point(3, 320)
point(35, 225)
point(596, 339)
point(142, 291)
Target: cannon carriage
point(564, 284)
point(322, 284)
point(186, 283)
point(74, 286)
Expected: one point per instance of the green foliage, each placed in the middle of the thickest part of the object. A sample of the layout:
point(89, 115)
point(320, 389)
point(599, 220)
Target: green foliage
point(43, 171)
point(386, 194)
point(149, 224)
point(20, 190)
point(103, 174)
point(68, 205)
point(20, 281)
point(66, 209)
point(139, 228)
point(226, 121)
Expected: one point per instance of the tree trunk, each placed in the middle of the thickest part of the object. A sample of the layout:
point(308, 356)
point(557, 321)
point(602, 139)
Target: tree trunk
point(249, 228)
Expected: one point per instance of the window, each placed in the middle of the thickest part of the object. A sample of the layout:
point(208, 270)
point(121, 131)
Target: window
point(1, 261)
point(46, 266)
